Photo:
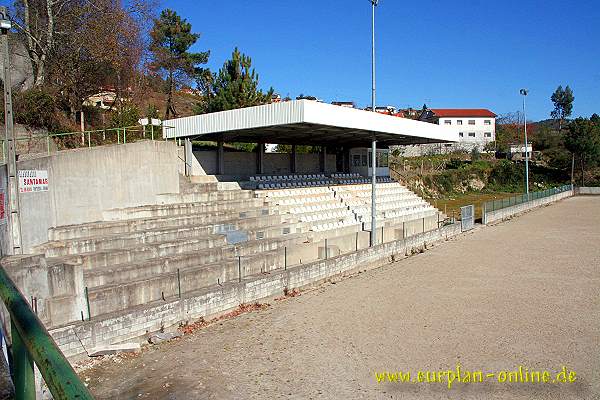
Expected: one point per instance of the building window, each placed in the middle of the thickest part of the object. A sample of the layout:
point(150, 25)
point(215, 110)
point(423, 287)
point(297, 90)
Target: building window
point(459, 122)
point(447, 122)
point(488, 134)
point(487, 122)
point(461, 134)
point(471, 122)
point(471, 134)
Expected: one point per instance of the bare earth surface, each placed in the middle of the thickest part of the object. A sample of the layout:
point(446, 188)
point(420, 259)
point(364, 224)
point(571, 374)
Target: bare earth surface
point(524, 292)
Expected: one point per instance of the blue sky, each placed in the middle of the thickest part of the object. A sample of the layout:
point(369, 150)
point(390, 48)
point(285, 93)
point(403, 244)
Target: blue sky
point(448, 54)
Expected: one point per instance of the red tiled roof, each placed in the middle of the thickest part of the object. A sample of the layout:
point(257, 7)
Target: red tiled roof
point(463, 112)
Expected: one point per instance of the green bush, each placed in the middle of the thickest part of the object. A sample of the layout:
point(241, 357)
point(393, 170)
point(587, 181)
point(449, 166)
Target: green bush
point(126, 115)
point(35, 108)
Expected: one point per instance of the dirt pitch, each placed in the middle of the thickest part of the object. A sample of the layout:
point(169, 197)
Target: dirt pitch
point(524, 292)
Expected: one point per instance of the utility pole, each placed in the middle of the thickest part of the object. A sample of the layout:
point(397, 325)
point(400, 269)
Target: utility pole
point(13, 179)
point(374, 141)
point(524, 93)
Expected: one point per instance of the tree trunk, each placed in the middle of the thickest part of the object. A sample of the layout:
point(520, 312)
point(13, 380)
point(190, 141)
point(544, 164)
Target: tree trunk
point(170, 107)
point(582, 171)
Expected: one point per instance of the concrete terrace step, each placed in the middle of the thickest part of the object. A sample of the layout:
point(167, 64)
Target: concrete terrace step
point(184, 208)
point(145, 252)
point(88, 248)
point(240, 220)
point(115, 297)
point(268, 230)
point(126, 272)
point(222, 195)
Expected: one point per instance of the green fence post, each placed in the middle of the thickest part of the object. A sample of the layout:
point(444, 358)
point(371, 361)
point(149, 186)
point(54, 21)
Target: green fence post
point(89, 139)
point(118, 136)
point(23, 367)
point(33, 344)
point(124, 135)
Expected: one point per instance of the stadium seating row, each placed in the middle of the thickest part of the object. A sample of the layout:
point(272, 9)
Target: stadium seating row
point(272, 178)
point(332, 207)
point(295, 184)
point(312, 180)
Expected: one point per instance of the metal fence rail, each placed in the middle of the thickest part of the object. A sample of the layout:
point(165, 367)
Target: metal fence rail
point(523, 198)
point(72, 140)
point(31, 343)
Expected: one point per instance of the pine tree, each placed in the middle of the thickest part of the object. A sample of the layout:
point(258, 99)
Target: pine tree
point(172, 38)
point(234, 86)
point(563, 104)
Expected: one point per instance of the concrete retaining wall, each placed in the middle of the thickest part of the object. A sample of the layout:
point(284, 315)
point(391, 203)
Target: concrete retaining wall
point(239, 163)
point(587, 190)
point(85, 182)
point(139, 321)
point(499, 215)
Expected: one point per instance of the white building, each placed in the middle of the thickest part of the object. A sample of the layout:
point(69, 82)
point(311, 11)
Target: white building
point(517, 151)
point(475, 127)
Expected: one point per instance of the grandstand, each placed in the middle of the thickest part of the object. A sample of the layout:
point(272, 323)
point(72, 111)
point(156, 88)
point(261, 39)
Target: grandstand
point(181, 230)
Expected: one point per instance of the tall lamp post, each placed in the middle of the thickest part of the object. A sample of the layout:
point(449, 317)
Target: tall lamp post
point(524, 93)
point(13, 180)
point(373, 241)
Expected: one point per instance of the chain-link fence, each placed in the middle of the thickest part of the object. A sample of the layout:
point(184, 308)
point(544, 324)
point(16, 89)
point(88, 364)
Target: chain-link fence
point(523, 198)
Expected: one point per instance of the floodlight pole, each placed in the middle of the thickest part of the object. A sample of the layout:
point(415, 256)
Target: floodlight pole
point(524, 93)
point(13, 179)
point(374, 141)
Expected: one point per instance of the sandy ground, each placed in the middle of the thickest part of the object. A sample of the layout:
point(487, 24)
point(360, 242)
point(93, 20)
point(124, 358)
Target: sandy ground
point(524, 292)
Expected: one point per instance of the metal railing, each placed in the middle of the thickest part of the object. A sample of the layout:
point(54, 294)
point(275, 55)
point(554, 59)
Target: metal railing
point(31, 343)
point(72, 140)
point(524, 198)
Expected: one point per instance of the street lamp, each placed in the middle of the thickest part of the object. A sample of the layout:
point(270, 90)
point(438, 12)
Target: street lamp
point(524, 93)
point(13, 181)
point(374, 4)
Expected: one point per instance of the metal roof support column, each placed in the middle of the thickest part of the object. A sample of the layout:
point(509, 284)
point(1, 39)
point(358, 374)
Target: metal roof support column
point(346, 158)
point(373, 191)
point(220, 158)
point(260, 157)
point(189, 154)
point(293, 159)
point(323, 159)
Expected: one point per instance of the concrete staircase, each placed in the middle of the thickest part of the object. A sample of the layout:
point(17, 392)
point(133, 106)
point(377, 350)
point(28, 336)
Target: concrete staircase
point(198, 238)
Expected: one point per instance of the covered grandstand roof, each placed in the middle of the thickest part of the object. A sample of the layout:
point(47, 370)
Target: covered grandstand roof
point(307, 122)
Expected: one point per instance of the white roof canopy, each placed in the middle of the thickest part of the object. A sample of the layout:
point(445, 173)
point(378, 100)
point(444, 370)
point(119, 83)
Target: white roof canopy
point(307, 122)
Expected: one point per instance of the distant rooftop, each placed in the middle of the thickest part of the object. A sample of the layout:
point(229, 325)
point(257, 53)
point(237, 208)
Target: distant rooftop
point(462, 112)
